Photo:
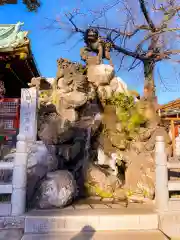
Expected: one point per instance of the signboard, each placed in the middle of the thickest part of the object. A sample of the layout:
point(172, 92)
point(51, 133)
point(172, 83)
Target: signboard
point(28, 113)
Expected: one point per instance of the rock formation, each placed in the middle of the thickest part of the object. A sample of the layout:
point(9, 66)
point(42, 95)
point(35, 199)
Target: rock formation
point(103, 138)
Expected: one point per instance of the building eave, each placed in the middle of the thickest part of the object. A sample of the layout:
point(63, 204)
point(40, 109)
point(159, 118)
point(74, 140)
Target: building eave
point(170, 105)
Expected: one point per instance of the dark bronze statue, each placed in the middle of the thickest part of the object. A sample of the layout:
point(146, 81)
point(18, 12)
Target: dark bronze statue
point(94, 43)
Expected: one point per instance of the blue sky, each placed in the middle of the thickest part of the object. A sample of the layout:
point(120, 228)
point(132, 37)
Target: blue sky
point(46, 47)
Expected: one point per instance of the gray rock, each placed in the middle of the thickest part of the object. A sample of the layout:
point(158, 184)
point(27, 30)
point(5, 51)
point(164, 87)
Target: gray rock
point(118, 85)
point(104, 159)
point(41, 160)
point(48, 132)
point(100, 74)
point(69, 114)
point(100, 183)
point(66, 136)
point(75, 99)
point(58, 190)
point(69, 152)
point(105, 92)
point(91, 92)
point(80, 83)
point(63, 85)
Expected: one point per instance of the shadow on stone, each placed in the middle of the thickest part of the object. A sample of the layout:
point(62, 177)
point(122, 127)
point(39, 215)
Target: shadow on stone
point(86, 233)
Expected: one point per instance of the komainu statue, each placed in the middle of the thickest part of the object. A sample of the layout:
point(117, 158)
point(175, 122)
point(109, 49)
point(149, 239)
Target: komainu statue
point(94, 43)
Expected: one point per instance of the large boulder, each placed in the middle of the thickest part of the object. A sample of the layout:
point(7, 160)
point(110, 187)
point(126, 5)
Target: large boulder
point(140, 175)
point(118, 85)
point(57, 190)
point(118, 140)
point(48, 132)
point(159, 131)
point(91, 92)
point(69, 114)
point(69, 151)
point(75, 99)
point(104, 159)
point(104, 92)
point(41, 160)
point(99, 183)
point(80, 83)
point(63, 85)
point(100, 74)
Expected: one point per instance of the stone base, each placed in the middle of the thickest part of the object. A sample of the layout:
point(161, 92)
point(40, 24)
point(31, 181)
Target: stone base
point(100, 217)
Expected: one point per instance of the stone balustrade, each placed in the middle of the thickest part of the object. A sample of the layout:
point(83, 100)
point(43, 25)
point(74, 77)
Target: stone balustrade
point(163, 185)
point(27, 135)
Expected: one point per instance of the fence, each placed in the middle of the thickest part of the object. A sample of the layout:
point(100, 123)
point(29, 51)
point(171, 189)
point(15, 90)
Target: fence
point(27, 135)
point(9, 115)
point(163, 185)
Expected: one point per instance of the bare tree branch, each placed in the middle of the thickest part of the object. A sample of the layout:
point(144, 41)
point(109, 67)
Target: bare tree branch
point(146, 43)
point(70, 18)
point(127, 34)
point(146, 15)
point(152, 34)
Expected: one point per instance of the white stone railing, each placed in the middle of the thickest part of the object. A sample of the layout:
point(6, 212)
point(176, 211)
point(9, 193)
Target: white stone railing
point(163, 185)
point(27, 135)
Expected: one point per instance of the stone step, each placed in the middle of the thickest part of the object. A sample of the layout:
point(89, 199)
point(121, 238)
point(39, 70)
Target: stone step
point(5, 208)
point(105, 235)
point(99, 218)
point(5, 188)
point(169, 223)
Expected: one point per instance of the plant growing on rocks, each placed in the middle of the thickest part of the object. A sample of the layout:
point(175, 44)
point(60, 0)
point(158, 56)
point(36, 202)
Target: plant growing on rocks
point(127, 112)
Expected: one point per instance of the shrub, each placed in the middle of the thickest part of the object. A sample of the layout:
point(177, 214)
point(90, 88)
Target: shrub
point(127, 112)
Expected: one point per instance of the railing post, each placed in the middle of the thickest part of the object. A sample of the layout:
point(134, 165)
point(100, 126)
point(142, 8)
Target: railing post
point(177, 147)
point(27, 135)
point(161, 186)
point(19, 181)
point(28, 113)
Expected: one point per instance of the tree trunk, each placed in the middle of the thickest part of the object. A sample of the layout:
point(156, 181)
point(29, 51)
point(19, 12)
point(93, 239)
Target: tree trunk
point(149, 86)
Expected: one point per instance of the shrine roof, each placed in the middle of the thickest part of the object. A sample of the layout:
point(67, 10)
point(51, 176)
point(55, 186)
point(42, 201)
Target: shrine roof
point(172, 105)
point(15, 47)
point(12, 37)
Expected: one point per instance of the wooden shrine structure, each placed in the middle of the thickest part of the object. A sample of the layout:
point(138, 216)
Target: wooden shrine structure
point(17, 63)
point(170, 113)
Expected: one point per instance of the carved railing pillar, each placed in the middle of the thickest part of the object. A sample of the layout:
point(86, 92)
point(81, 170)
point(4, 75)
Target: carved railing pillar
point(27, 135)
point(161, 186)
point(19, 181)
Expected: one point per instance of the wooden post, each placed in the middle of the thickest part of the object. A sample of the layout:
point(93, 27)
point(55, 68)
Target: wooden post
point(161, 186)
point(173, 136)
point(177, 146)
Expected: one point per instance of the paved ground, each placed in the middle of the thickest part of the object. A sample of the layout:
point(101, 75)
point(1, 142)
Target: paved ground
point(68, 223)
point(11, 234)
point(14, 234)
point(124, 235)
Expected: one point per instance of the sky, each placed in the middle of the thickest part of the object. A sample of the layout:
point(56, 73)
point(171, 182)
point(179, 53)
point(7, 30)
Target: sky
point(47, 48)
